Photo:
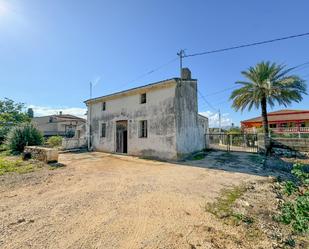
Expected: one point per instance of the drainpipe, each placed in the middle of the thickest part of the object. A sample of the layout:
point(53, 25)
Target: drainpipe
point(89, 127)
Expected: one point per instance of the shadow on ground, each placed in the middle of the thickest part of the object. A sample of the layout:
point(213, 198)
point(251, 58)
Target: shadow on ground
point(241, 162)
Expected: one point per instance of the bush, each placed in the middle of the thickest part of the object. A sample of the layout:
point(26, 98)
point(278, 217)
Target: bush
point(295, 211)
point(23, 135)
point(54, 141)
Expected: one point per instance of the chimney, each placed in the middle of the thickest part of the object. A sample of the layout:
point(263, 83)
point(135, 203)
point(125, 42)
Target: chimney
point(186, 74)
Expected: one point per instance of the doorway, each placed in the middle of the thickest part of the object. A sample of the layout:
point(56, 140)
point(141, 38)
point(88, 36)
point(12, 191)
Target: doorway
point(122, 136)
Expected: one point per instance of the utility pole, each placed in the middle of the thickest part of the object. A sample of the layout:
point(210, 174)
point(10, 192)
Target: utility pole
point(219, 121)
point(90, 84)
point(89, 118)
point(181, 55)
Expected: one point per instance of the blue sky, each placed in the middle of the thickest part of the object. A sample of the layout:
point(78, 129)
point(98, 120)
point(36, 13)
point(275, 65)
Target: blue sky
point(50, 50)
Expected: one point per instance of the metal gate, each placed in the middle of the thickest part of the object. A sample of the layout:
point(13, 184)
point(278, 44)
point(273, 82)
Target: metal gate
point(232, 142)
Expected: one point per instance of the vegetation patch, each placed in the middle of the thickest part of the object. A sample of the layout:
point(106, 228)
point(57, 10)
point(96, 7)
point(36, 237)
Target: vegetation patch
point(295, 206)
point(54, 141)
point(199, 156)
point(17, 165)
point(228, 157)
point(222, 207)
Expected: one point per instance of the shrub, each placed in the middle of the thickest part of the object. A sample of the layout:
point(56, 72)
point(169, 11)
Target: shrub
point(23, 135)
point(296, 213)
point(289, 187)
point(54, 141)
point(299, 171)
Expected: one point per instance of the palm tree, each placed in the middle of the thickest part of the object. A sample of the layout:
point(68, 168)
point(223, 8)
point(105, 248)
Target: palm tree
point(265, 84)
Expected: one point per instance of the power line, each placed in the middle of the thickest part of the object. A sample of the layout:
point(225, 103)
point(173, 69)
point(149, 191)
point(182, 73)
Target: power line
point(210, 105)
point(247, 45)
point(150, 72)
point(223, 90)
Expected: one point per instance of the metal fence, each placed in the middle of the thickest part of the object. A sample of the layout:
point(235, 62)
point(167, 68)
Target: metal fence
point(232, 142)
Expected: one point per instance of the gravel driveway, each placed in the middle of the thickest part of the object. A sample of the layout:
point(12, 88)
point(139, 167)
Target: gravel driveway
point(109, 201)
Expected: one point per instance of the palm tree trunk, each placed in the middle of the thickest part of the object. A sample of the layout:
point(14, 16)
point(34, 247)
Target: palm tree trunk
point(265, 126)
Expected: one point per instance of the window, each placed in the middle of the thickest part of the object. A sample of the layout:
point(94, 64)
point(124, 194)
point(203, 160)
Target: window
point(103, 106)
point(143, 128)
point(272, 125)
point(143, 98)
point(103, 130)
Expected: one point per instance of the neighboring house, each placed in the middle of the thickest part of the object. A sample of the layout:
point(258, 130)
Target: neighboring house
point(159, 120)
point(283, 121)
point(62, 125)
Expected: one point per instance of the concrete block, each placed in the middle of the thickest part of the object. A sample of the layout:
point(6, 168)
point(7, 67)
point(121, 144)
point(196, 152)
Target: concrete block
point(46, 155)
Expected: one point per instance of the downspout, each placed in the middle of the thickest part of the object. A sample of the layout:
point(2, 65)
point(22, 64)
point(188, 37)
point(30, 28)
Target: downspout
point(89, 127)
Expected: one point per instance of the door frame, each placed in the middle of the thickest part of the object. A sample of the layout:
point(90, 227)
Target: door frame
point(125, 124)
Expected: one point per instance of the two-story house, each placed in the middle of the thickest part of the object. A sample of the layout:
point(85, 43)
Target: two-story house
point(61, 124)
point(159, 120)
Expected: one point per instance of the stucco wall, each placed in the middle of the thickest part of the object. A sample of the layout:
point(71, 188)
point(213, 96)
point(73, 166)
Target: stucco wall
point(56, 127)
point(158, 111)
point(189, 133)
point(43, 125)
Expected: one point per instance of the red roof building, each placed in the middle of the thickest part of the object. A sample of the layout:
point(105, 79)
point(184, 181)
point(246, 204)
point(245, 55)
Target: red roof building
point(283, 121)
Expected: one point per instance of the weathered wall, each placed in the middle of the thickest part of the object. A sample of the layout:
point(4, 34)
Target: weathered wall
point(189, 133)
point(158, 111)
point(57, 127)
point(73, 143)
point(204, 129)
point(43, 125)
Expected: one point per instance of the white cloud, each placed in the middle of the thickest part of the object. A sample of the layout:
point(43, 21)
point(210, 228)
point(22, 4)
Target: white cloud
point(213, 118)
point(46, 110)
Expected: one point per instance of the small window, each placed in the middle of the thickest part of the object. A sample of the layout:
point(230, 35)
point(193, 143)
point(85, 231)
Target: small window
point(103, 130)
point(272, 125)
point(103, 106)
point(143, 98)
point(143, 129)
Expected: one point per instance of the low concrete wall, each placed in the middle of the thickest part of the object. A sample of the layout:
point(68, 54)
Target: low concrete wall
point(46, 155)
point(73, 143)
point(286, 146)
point(298, 144)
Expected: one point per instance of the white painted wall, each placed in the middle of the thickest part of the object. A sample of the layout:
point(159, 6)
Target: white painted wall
point(159, 113)
point(174, 127)
point(189, 133)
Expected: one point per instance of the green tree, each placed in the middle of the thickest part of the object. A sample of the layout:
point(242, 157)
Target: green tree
point(30, 113)
point(265, 84)
point(11, 114)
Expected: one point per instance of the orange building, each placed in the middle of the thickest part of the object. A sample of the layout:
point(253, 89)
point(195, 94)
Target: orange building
point(283, 121)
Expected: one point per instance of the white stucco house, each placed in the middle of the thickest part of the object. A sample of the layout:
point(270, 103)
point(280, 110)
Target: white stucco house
point(158, 120)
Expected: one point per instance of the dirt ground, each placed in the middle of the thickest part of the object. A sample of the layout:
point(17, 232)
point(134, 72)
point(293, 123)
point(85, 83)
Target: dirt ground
point(107, 201)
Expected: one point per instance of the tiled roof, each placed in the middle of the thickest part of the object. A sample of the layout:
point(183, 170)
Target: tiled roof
point(282, 115)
